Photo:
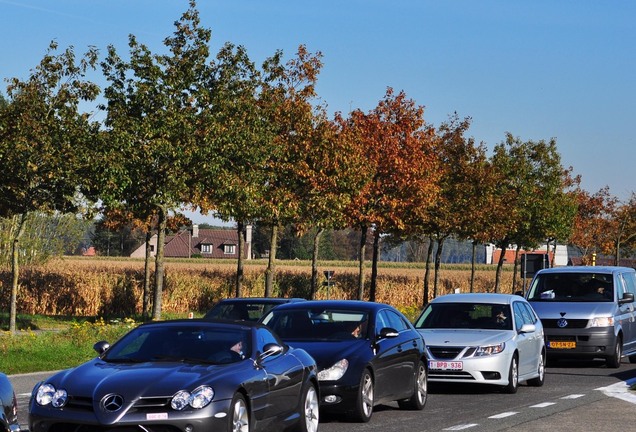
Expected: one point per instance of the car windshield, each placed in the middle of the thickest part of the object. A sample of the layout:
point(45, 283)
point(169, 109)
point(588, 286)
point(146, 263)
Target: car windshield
point(240, 310)
point(486, 316)
point(318, 324)
point(188, 343)
point(572, 287)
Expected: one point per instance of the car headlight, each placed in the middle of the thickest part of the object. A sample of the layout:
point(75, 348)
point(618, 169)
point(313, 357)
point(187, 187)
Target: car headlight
point(47, 394)
point(487, 350)
point(198, 399)
point(602, 322)
point(335, 372)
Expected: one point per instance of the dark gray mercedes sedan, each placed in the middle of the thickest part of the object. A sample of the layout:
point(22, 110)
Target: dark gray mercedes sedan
point(186, 376)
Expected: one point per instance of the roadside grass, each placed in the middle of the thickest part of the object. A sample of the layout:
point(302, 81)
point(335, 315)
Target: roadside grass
point(45, 343)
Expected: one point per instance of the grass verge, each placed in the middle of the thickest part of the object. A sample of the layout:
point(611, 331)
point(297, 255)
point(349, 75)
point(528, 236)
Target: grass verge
point(65, 345)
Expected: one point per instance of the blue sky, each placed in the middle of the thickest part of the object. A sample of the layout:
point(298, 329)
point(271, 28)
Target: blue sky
point(539, 69)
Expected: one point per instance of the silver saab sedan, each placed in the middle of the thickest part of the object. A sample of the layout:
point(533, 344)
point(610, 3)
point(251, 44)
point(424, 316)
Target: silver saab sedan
point(483, 338)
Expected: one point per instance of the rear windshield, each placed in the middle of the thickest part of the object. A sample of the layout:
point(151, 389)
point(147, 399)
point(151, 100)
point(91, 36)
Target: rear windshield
point(572, 287)
point(318, 324)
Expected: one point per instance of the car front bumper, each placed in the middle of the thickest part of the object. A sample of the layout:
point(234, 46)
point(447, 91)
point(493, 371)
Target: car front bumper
point(491, 369)
point(212, 417)
point(338, 397)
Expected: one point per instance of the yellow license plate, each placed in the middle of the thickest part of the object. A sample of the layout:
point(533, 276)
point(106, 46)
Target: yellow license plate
point(562, 345)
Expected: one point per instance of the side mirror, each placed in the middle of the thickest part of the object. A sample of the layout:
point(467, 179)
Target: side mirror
point(528, 328)
point(101, 347)
point(270, 350)
point(627, 298)
point(388, 332)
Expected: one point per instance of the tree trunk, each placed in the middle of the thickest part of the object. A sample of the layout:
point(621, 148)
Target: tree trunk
point(472, 267)
point(240, 273)
point(269, 273)
point(374, 265)
point(502, 258)
point(15, 271)
point(146, 294)
point(159, 263)
point(617, 257)
point(314, 264)
point(438, 262)
point(427, 271)
point(361, 252)
point(514, 269)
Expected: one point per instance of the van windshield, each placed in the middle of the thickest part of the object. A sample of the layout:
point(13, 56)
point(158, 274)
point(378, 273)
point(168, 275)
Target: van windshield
point(572, 287)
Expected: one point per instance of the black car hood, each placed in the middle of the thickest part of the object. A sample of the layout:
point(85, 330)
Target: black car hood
point(326, 353)
point(97, 378)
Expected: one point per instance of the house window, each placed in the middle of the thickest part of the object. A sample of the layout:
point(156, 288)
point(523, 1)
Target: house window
point(206, 248)
point(229, 249)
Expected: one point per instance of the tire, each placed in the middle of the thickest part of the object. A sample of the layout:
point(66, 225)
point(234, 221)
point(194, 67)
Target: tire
point(420, 390)
point(239, 419)
point(513, 376)
point(614, 361)
point(364, 402)
point(309, 407)
point(538, 381)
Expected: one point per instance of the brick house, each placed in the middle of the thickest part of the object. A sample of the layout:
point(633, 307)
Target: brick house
point(207, 243)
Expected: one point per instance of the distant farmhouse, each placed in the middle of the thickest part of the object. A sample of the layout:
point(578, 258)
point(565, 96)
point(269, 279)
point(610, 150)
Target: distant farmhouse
point(205, 243)
point(560, 256)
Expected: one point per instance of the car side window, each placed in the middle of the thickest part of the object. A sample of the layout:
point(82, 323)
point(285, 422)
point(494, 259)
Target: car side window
point(528, 314)
point(630, 282)
point(519, 318)
point(620, 287)
point(393, 320)
point(264, 337)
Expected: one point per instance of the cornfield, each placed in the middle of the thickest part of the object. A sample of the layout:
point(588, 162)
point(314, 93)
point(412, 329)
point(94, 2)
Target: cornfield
point(114, 288)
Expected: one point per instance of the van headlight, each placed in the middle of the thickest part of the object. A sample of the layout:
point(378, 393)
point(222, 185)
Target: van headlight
point(602, 322)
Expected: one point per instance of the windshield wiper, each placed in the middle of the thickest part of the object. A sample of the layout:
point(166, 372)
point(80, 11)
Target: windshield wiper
point(181, 359)
point(124, 360)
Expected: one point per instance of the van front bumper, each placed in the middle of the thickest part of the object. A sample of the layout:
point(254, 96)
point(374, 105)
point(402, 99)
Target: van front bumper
point(585, 343)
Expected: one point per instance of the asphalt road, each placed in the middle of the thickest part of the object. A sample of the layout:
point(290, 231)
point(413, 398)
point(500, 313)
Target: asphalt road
point(577, 396)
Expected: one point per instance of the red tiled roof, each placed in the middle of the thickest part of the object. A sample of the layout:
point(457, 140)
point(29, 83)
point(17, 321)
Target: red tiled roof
point(182, 245)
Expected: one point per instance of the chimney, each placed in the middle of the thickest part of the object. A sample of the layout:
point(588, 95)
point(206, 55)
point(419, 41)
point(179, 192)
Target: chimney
point(195, 230)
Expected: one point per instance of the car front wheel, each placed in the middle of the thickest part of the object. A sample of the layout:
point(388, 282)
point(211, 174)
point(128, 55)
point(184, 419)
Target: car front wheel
point(513, 376)
point(364, 403)
point(309, 414)
point(240, 416)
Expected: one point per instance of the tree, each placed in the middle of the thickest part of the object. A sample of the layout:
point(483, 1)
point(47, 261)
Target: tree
point(625, 224)
point(154, 105)
point(401, 172)
point(533, 188)
point(286, 101)
point(43, 142)
point(460, 160)
point(237, 145)
point(593, 222)
point(329, 173)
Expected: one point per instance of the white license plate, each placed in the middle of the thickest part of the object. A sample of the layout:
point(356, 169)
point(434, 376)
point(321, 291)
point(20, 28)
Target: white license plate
point(445, 365)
